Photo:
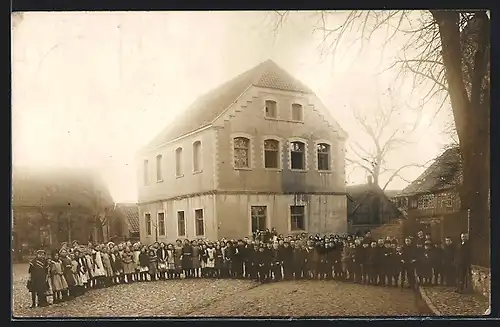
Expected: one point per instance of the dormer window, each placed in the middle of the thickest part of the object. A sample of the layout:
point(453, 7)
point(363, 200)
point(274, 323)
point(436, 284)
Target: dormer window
point(297, 112)
point(271, 109)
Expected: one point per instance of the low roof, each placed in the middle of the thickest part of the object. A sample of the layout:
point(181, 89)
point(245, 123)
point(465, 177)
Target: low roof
point(208, 107)
point(131, 214)
point(445, 172)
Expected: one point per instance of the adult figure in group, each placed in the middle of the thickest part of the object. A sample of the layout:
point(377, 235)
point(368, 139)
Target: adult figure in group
point(448, 267)
point(408, 260)
point(187, 262)
point(463, 263)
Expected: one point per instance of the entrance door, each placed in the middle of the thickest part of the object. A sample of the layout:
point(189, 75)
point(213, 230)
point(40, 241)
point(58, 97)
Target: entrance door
point(259, 217)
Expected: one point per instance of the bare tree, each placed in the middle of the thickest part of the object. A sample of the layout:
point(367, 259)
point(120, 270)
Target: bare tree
point(449, 53)
point(385, 135)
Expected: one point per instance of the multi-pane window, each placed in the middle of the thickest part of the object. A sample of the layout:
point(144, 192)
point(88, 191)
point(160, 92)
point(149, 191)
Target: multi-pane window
point(161, 223)
point(271, 154)
point(178, 162)
point(199, 224)
point(297, 155)
point(297, 112)
point(426, 201)
point(147, 218)
point(271, 111)
point(181, 224)
point(197, 156)
point(297, 218)
point(258, 216)
point(159, 173)
point(241, 152)
point(145, 168)
point(323, 156)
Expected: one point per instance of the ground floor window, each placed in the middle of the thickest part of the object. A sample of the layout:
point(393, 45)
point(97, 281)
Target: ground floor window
point(147, 217)
point(181, 224)
point(161, 223)
point(259, 217)
point(200, 228)
point(297, 218)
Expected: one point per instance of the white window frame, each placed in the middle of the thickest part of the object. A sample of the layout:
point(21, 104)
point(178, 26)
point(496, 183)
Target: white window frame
point(200, 159)
point(289, 215)
point(280, 152)
point(302, 112)
point(330, 158)
point(268, 215)
point(164, 223)
point(268, 98)
point(251, 151)
point(177, 223)
point(159, 180)
point(195, 220)
point(306, 150)
point(179, 164)
point(146, 224)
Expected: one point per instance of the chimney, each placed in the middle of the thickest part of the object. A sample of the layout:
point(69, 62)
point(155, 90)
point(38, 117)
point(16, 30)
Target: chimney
point(370, 180)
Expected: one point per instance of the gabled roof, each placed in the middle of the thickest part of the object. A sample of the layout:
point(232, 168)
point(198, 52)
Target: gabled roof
point(58, 186)
point(445, 172)
point(208, 107)
point(130, 212)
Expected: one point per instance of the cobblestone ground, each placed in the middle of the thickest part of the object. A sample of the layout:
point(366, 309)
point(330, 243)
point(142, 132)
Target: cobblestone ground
point(223, 298)
point(450, 303)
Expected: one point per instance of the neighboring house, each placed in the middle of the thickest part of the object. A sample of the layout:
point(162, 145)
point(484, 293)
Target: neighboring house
point(51, 205)
point(434, 195)
point(362, 201)
point(129, 219)
point(259, 151)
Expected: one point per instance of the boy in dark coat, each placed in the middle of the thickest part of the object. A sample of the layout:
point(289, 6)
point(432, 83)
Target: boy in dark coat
point(362, 256)
point(371, 262)
point(426, 264)
point(337, 260)
point(238, 259)
point(437, 264)
point(387, 264)
point(276, 262)
point(408, 259)
point(448, 269)
point(37, 283)
point(286, 257)
point(463, 263)
point(299, 262)
point(263, 262)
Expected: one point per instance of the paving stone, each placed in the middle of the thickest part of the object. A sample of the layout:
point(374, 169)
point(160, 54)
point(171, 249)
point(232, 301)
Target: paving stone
point(450, 303)
point(207, 297)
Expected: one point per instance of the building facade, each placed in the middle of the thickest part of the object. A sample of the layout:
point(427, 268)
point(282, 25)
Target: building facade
point(260, 151)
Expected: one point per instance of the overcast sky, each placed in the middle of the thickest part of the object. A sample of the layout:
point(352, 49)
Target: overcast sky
point(89, 89)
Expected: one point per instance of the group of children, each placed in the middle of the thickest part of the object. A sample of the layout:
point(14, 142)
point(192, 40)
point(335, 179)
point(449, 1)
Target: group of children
point(72, 270)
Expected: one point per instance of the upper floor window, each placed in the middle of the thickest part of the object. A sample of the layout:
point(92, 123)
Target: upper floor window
point(241, 152)
point(178, 162)
point(297, 155)
point(197, 156)
point(146, 171)
point(159, 173)
point(271, 109)
point(426, 201)
point(271, 153)
point(297, 112)
point(323, 156)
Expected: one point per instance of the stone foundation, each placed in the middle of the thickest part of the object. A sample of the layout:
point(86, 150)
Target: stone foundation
point(481, 281)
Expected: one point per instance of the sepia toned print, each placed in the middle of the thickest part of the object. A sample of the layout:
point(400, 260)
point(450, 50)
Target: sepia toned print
point(290, 159)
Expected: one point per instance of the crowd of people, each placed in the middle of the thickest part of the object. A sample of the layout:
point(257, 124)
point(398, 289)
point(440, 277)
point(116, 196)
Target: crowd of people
point(266, 257)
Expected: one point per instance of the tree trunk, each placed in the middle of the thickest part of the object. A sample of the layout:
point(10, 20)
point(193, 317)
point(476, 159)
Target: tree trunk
point(472, 124)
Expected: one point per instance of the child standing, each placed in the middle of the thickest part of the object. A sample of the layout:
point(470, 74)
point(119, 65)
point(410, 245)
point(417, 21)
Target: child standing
point(144, 264)
point(37, 282)
point(210, 260)
point(153, 262)
point(57, 279)
point(170, 261)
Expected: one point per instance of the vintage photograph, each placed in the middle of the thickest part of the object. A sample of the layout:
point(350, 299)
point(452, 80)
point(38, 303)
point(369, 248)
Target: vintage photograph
point(251, 164)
